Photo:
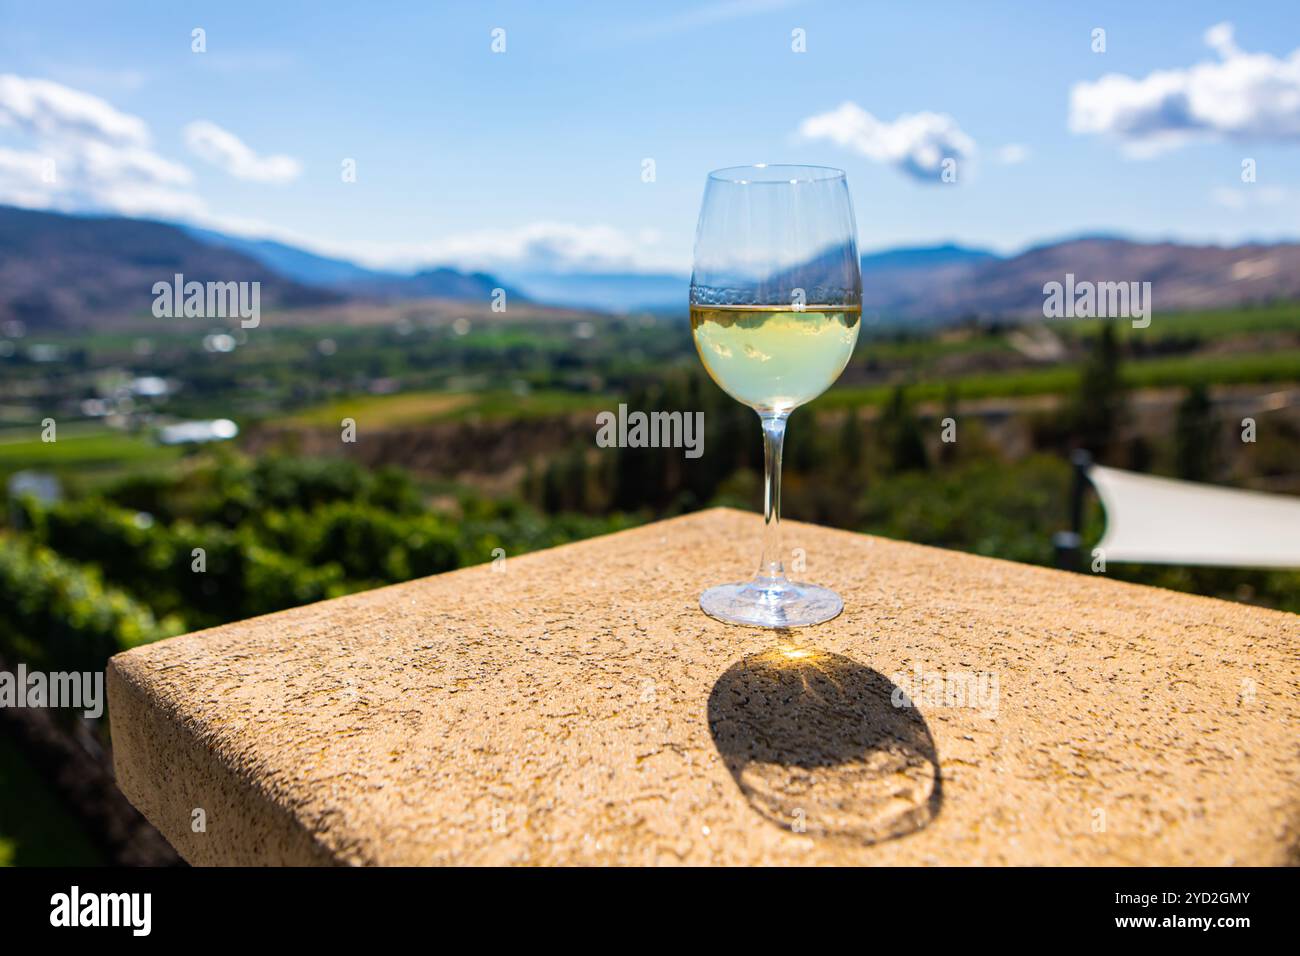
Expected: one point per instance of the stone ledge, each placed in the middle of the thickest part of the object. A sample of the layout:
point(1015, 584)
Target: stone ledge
point(578, 708)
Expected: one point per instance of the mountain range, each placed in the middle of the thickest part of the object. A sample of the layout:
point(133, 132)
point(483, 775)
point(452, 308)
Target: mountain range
point(83, 271)
point(350, 279)
point(1183, 278)
point(77, 271)
point(939, 284)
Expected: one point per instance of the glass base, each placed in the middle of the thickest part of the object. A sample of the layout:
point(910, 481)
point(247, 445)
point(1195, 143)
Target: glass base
point(771, 603)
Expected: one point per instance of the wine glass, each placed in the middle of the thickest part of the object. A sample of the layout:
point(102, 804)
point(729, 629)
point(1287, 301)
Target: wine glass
point(776, 306)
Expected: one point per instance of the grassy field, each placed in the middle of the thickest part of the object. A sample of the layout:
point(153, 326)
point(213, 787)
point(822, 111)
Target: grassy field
point(81, 449)
point(1209, 326)
point(1172, 371)
point(408, 408)
point(420, 408)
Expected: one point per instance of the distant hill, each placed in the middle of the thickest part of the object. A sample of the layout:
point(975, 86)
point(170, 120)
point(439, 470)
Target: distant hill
point(925, 257)
point(895, 273)
point(1182, 277)
point(290, 261)
point(351, 279)
point(894, 276)
point(61, 271)
point(618, 292)
point(69, 271)
point(901, 283)
point(942, 283)
point(439, 283)
point(934, 285)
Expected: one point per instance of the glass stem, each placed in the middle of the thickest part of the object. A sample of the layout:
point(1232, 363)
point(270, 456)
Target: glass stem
point(771, 572)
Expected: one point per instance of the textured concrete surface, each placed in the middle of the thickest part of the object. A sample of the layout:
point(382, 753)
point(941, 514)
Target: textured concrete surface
point(577, 707)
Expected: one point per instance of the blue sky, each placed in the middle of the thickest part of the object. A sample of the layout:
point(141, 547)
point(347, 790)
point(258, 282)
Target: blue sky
point(536, 154)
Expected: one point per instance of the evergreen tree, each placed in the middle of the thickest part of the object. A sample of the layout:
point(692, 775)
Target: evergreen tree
point(901, 431)
point(553, 488)
point(1194, 429)
point(851, 439)
point(948, 450)
point(575, 479)
point(1099, 405)
point(529, 488)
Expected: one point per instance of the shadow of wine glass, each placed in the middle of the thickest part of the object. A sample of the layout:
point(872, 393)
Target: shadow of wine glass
point(817, 745)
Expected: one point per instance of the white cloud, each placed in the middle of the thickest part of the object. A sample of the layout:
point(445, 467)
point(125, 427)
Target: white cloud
point(1012, 154)
point(109, 163)
point(78, 152)
point(550, 246)
point(22, 178)
point(1221, 39)
point(1241, 96)
point(915, 143)
point(70, 151)
point(223, 148)
point(50, 110)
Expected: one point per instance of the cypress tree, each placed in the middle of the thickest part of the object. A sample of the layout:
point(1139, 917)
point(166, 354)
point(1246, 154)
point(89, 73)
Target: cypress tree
point(1194, 436)
point(1099, 404)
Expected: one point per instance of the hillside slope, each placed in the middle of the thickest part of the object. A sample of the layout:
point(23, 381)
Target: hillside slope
point(60, 271)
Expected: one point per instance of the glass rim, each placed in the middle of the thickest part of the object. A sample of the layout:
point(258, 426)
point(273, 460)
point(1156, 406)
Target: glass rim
point(778, 174)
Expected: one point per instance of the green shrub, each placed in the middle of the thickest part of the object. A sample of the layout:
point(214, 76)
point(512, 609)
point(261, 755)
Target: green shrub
point(59, 616)
point(240, 575)
point(988, 507)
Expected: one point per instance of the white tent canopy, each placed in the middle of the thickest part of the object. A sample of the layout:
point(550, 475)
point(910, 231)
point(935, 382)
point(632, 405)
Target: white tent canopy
point(1162, 521)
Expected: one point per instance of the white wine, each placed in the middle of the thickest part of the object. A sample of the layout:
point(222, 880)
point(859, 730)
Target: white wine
point(775, 359)
point(782, 236)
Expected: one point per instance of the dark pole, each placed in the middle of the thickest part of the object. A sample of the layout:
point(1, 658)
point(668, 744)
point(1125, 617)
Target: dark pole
point(1067, 543)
